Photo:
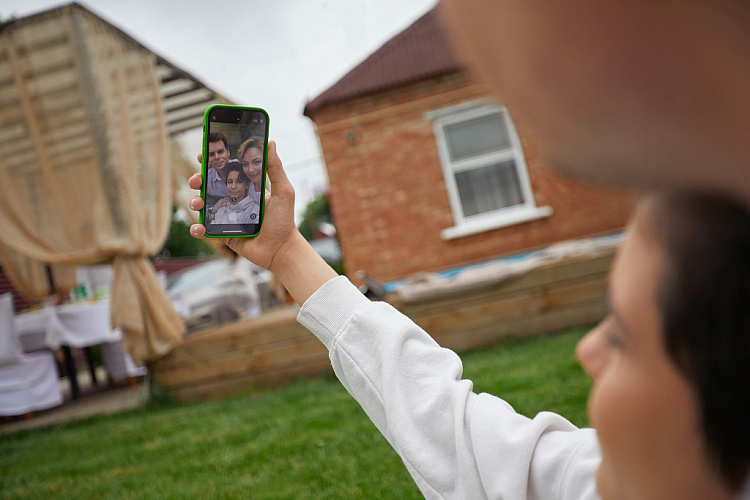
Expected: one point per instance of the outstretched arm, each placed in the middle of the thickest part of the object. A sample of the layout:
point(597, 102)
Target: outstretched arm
point(453, 442)
point(279, 247)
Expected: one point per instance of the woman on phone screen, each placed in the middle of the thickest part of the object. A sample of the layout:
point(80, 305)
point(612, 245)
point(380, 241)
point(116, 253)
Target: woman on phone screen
point(250, 155)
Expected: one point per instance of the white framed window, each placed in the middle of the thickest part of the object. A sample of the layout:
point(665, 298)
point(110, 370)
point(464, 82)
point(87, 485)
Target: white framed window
point(484, 168)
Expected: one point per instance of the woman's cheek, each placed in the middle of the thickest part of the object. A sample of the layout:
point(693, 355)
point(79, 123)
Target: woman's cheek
point(606, 414)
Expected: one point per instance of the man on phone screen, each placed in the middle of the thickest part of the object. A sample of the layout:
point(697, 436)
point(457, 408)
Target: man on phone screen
point(216, 177)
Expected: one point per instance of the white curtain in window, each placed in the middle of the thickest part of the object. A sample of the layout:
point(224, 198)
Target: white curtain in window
point(489, 188)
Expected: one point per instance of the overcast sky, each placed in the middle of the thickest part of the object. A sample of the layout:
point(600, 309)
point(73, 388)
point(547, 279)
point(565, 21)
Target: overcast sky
point(274, 54)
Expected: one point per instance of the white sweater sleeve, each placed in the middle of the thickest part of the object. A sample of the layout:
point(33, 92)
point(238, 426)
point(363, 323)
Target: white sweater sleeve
point(455, 443)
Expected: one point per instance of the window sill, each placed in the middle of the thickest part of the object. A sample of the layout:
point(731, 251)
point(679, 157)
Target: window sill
point(501, 220)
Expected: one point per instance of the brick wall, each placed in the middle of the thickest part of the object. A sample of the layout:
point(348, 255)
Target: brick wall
point(389, 199)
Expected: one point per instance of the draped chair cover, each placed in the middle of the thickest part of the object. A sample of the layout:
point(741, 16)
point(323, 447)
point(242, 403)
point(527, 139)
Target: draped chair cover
point(84, 164)
point(28, 382)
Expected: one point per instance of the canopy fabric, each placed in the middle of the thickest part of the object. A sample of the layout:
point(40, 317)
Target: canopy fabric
point(85, 164)
point(31, 278)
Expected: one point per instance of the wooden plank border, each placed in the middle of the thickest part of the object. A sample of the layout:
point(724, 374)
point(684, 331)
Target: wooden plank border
point(275, 349)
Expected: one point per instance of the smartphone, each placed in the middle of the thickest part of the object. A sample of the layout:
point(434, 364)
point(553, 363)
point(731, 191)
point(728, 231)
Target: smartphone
point(235, 145)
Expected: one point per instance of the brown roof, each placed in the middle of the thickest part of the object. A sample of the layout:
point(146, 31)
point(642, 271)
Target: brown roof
point(420, 51)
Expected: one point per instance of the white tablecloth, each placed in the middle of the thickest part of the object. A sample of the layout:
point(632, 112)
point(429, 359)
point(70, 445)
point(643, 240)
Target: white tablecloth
point(75, 325)
point(80, 325)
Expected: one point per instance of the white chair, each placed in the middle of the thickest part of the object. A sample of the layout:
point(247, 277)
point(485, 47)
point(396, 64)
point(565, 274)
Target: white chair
point(119, 364)
point(28, 382)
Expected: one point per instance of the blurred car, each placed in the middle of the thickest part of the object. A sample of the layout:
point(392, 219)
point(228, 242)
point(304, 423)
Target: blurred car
point(219, 291)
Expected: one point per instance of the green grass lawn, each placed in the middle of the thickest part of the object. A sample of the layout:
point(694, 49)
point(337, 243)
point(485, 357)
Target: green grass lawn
point(307, 440)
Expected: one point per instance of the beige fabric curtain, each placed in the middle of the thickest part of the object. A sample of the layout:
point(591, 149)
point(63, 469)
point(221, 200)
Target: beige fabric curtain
point(30, 277)
point(84, 163)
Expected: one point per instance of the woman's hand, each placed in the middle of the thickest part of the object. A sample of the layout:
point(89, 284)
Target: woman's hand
point(278, 221)
point(279, 247)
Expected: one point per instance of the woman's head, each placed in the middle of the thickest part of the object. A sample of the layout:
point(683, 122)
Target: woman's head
point(704, 300)
point(250, 155)
point(671, 398)
point(237, 182)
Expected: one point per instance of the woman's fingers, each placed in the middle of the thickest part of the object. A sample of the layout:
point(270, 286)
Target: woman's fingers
point(198, 231)
point(196, 203)
point(195, 181)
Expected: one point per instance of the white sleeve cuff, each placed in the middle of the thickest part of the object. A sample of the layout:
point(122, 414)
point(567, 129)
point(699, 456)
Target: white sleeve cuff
point(327, 310)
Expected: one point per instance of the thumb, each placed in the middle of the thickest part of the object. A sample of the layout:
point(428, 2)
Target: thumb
point(276, 173)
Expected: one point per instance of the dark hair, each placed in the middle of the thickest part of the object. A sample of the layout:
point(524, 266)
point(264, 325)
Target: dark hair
point(216, 137)
point(704, 301)
point(234, 166)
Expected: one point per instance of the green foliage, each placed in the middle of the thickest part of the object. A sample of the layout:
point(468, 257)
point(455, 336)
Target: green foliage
point(317, 211)
point(179, 243)
point(306, 440)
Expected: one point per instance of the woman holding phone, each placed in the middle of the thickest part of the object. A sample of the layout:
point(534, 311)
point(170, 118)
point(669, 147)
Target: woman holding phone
point(670, 395)
point(238, 207)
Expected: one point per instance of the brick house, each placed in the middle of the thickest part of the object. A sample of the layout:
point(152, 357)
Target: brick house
point(428, 172)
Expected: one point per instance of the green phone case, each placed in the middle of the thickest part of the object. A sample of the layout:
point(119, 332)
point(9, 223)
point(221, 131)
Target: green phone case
point(251, 111)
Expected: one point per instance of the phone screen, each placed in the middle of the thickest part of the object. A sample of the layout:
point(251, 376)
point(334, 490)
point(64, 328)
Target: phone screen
point(235, 141)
